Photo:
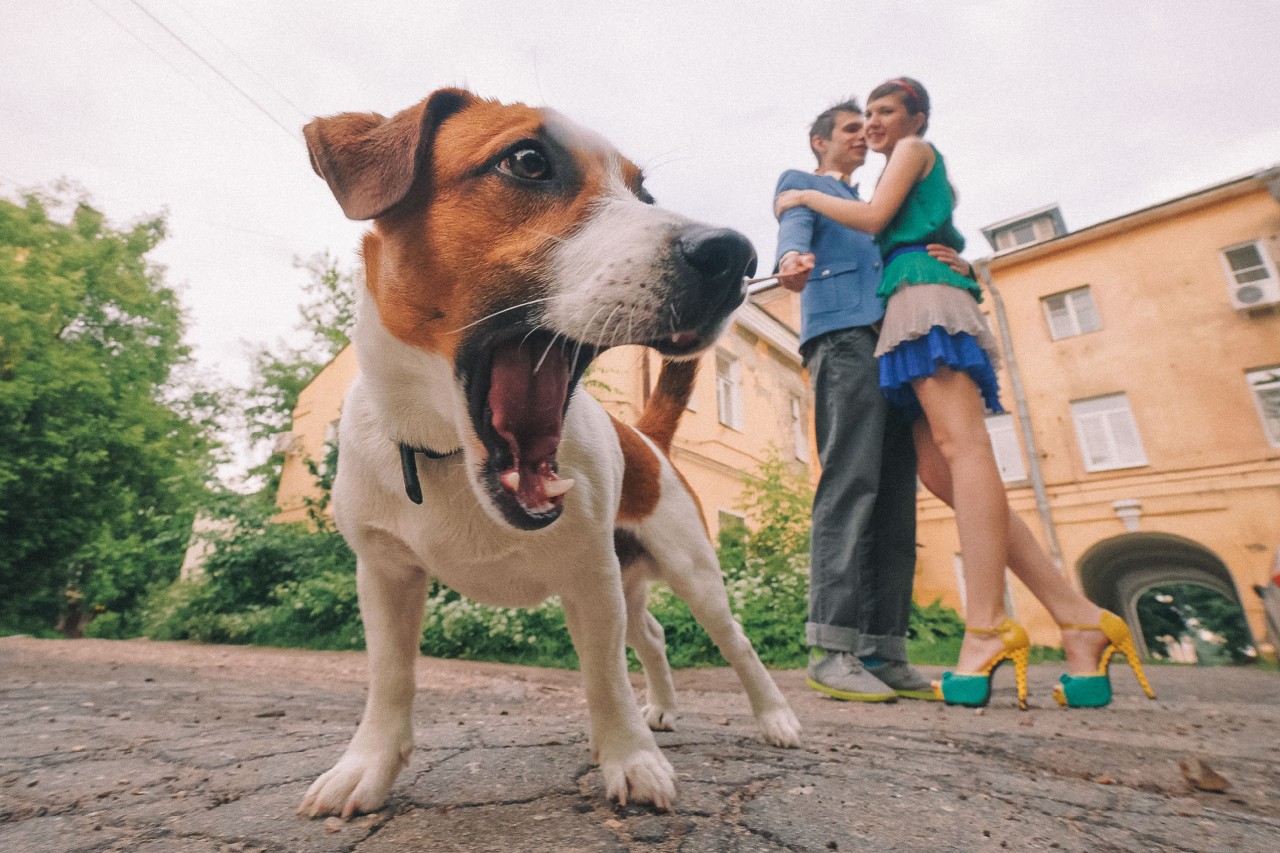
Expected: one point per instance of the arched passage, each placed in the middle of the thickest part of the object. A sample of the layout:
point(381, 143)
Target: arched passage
point(1116, 572)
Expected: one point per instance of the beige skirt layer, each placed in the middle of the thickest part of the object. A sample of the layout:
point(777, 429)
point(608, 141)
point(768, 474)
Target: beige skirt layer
point(915, 309)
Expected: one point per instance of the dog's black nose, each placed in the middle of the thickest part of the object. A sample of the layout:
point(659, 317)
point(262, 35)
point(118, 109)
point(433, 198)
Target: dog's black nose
point(722, 255)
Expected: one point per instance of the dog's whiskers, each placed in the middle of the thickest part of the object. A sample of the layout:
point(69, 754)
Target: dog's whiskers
point(531, 332)
point(604, 331)
point(500, 311)
point(546, 353)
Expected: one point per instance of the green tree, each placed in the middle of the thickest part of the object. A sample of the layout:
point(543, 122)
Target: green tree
point(1184, 609)
point(281, 372)
point(102, 454)
point(778, 502)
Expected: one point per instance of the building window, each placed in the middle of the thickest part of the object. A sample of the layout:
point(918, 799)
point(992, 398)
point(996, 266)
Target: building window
point(729, 390)
point(1265, 385)
point(1004, 443)
point(731, 523)
point(1251, 274)
point(1071, 313)
point(957, 563)
point(1107, 433)
point(799, 435)
point(1025, 233)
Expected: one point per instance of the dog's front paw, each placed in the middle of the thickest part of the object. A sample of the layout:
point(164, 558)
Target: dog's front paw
point(779, 727)
point(358, 783)
point(657, 718)
point(643, 776)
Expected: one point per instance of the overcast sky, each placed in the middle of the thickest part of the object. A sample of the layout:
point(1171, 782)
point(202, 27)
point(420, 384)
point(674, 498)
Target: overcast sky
point(1102, 107)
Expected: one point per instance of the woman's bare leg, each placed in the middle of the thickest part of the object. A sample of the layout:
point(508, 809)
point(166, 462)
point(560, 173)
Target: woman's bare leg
point(955, 430)
point(1027, 560)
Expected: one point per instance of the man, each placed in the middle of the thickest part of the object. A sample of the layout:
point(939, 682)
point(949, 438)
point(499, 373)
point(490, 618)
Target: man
point(864, 512)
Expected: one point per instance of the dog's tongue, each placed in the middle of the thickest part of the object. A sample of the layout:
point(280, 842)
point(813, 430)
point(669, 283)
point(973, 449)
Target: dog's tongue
point(527, 397)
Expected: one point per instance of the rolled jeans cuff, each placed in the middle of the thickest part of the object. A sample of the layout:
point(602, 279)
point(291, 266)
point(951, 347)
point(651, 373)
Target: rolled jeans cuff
point(837, 638)
point(888, 647)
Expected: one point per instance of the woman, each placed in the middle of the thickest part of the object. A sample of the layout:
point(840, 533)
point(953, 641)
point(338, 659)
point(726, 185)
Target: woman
point(937, 361)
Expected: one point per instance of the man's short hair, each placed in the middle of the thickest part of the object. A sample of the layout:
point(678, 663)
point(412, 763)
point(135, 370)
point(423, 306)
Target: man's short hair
point(825, 123)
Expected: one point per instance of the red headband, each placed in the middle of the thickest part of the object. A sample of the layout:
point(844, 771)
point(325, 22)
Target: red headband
point(910, 90)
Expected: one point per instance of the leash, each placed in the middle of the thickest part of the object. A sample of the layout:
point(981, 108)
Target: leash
point(409, 467)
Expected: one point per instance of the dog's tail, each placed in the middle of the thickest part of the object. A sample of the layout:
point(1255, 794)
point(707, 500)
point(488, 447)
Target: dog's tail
point(667, 403)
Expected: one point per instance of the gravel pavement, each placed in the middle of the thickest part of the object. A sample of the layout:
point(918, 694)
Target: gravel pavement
point(155, 747)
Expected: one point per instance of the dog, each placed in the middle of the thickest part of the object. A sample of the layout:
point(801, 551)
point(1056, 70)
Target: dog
point(508, 247)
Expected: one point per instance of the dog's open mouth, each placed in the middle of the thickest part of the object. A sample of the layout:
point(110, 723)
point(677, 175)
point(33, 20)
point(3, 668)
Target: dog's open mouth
point(528, 390)
point(518, 389)
point(519, 399)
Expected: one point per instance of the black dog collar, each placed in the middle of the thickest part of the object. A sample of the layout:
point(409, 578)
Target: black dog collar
point(409, 467)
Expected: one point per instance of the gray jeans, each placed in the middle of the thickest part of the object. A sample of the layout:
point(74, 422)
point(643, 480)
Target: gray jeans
point(864, 512)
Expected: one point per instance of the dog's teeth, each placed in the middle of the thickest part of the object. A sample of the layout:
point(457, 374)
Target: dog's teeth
point(510, 481)
point(555, 488)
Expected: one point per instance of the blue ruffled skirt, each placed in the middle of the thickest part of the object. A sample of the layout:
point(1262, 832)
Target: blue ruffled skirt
point(920, 357)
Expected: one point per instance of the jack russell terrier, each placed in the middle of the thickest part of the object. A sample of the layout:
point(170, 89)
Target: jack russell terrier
point(510, 246)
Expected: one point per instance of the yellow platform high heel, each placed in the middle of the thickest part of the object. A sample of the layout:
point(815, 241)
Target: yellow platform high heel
point(973, 689)
point(1093, 690)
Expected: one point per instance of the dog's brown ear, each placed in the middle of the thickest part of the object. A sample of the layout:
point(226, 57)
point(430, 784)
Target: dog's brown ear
point(371, 162)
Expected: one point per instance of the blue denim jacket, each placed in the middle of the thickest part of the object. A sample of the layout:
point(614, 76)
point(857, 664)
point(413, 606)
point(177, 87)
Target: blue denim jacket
point(841, 291)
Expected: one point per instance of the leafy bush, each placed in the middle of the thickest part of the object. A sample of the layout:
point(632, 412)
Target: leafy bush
point(294, 585)
point(267, 583)
point(457, 627)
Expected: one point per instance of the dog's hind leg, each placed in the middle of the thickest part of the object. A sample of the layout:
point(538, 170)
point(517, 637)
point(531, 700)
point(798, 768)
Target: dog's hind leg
point(392, 594)
point(645, 635)
point(693, 573)
point(632, 766)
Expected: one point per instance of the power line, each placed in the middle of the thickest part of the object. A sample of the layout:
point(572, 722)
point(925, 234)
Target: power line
point(215, 70)
point(166, 60)
point(301, 112)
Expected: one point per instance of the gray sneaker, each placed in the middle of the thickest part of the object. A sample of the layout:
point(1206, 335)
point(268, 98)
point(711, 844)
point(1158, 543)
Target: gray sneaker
point(841, 675)
point(904, 679)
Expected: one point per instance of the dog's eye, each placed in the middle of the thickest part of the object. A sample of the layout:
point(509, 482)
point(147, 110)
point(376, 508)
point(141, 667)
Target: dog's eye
point(528, 163)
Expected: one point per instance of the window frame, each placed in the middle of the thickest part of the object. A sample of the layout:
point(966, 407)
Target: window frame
point(1104, 415)
point(1270, 426)
point(799, 434)
point(1267, 264)
point(730, 379)
point(1005, 425)
point(1069, 299)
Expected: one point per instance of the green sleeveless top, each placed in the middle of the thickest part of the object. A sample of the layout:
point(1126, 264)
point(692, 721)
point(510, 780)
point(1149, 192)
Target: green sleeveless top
point(924, 217)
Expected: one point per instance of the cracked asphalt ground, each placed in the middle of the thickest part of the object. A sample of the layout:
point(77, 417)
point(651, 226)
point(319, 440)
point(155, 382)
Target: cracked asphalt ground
point(153, 747)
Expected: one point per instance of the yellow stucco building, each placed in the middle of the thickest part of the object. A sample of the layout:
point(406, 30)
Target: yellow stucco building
point(1142, 380)
point(751, 398)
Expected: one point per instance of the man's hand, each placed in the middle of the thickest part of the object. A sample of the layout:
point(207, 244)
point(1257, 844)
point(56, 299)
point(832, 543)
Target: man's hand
point(948, 255)
point(788, 199)
point(794, 269)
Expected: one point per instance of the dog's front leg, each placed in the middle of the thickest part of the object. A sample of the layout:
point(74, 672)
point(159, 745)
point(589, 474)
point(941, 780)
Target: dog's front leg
point(633, 767)
point(392, 595)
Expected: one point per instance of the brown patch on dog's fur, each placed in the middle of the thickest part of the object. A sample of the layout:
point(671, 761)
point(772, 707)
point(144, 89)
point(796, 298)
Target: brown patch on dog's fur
point(461, 241)
point(640, 476)
point(670, 398)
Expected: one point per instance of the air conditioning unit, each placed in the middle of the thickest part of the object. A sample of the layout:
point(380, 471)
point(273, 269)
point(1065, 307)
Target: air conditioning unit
point(1255, 294)
point(1252, 282)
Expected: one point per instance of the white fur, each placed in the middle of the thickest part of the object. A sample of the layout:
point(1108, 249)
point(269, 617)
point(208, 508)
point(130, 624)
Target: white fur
point(457, 536)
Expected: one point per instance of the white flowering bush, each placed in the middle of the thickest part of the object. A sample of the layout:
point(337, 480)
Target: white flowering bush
point(457, 627)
